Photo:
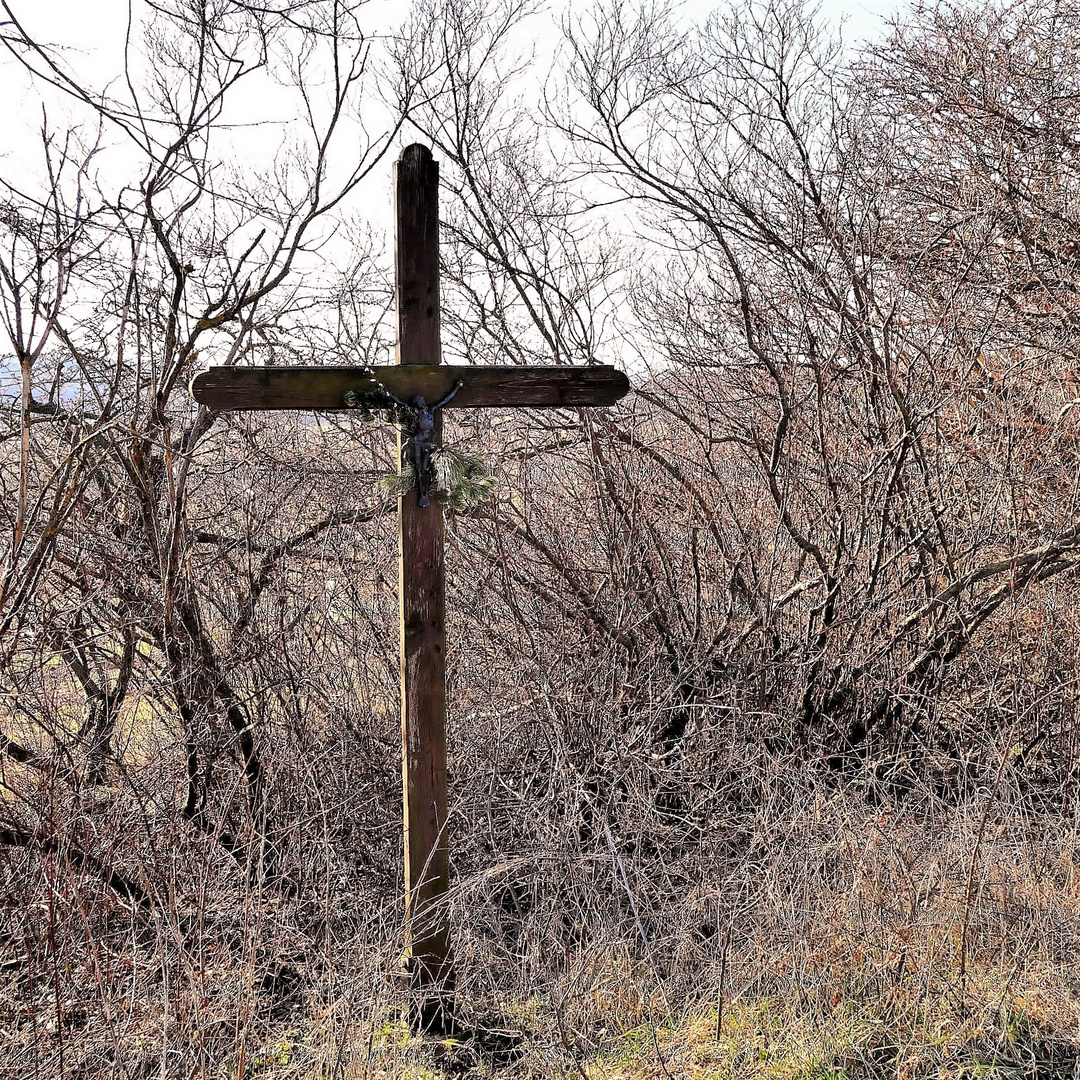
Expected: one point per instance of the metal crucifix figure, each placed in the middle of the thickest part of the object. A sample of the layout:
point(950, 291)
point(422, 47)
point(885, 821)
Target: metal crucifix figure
point(421, 441)
point(416, 379)
point(419, 427)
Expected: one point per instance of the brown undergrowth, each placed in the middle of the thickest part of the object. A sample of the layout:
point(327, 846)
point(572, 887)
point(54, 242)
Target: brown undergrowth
point(925, 943)
point(933, 941)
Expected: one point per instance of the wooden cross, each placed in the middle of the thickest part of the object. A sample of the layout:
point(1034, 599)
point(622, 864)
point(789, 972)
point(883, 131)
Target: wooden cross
point(418, 374)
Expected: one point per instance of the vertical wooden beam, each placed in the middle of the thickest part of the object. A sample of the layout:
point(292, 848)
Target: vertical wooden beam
point(422, 604)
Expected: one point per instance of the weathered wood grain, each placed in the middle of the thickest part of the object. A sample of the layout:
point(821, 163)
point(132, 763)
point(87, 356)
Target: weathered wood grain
point(421, 584)
point(224, 388)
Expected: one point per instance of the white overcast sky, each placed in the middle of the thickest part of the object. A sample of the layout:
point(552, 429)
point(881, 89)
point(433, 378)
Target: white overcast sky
point(91, 32)
point(90, 36)
point(93, 24)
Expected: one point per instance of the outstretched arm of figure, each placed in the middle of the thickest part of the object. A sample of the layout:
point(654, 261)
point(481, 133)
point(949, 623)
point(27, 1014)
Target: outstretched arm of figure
point(446, 399)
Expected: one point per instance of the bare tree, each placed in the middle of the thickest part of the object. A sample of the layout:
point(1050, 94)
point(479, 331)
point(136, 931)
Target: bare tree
point(826, 544)
point(809, 281)
point(134, 561)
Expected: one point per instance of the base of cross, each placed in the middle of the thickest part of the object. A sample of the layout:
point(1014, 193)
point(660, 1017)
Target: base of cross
point(491, 1039)
point(431, 1000)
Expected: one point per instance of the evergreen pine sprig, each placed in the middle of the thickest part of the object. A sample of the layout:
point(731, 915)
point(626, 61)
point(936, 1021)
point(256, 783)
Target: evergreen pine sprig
point(377, 404)
point(463, 480)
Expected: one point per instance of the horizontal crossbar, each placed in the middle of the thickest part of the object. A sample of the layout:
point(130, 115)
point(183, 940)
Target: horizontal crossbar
point(224, 388)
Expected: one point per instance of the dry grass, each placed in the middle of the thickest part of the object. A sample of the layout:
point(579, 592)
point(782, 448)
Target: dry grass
point(837, 934)
point(939, 945)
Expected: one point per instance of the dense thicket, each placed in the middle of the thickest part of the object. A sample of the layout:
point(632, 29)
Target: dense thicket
point(824, 550)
